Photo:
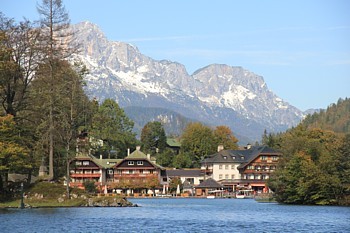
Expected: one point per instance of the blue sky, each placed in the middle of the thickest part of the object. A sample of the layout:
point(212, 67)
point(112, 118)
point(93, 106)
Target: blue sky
point(301, 48)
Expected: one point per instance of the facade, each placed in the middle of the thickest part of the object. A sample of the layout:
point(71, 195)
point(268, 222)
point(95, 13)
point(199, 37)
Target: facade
point(242, 169)
point(135, 173)
point(190, 178)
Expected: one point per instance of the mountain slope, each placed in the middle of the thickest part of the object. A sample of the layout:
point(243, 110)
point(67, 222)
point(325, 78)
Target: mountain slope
point(335, 118)
point(216, 94)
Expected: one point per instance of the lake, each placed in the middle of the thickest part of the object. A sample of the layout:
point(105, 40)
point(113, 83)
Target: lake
point(180, 215)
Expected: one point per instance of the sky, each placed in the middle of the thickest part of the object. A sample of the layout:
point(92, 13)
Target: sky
point(301, 48)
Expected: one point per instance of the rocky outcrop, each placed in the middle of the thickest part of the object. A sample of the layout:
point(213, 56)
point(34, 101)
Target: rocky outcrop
point(109, 202)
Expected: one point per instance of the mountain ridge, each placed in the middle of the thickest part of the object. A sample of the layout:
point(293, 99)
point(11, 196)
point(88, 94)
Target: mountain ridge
point(215, 94)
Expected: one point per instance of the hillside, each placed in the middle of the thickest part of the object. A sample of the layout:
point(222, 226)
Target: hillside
point(335, 118)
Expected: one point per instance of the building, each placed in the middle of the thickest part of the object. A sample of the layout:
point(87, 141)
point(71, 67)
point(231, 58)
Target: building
point(86, 167)
point(190, 178)
point(242, 169)
point(139, 172)
point(136, 173)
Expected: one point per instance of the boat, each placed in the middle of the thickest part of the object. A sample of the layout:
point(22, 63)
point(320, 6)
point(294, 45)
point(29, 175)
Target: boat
point(243, 194)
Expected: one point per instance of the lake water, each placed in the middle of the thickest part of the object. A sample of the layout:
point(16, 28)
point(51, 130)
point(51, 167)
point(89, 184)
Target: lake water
point(180, 215)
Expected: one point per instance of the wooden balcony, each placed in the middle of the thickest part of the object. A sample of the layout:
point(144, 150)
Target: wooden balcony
point(92, 175)
point(137, 175)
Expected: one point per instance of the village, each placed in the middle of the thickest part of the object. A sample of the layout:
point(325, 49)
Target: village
point(241, 173)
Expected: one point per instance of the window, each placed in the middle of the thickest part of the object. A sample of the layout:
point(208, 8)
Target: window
point(257, 167)
point(274, 158)
point(139, 162)
point(232, 166)
point(110, 171)
point(78, 163)
point(130, 162)
point(225, 157)
point(226, 167)
point(226, 176)
point(272, 167)
point(263, 157)
point(86, 163)
point(251, 167)
point(220, 166)
point(232, 177)
point(242, 157)
point(233, 157)
point(220, 177)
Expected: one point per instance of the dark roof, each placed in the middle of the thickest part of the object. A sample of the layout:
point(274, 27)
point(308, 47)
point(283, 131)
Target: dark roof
point(258, 151)
point(209, 183)
point(184, 172)
point(238, 156)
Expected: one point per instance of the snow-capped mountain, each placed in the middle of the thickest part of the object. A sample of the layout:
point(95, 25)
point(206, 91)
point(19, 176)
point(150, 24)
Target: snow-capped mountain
point(216, 94)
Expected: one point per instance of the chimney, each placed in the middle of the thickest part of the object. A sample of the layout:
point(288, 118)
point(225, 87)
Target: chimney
point(148, 156)
point(128, 151)
point(249, 146)
point(100, 156)
point(138, 148)
point(220, 148)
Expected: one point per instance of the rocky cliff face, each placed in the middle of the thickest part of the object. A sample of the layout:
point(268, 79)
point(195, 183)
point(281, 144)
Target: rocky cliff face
point(216, 94)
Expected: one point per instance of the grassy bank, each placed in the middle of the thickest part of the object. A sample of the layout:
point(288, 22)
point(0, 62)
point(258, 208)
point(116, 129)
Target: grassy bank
point(45, 194)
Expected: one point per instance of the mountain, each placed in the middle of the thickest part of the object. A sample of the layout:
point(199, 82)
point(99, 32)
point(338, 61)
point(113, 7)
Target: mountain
point(217, 94)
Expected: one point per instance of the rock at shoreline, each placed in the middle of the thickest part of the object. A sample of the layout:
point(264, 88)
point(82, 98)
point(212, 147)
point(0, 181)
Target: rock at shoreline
point(107, 202)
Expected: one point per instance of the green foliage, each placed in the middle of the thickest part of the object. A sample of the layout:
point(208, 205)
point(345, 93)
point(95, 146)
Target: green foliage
point(153, 137)
point(90, 186)
point(197, 141)
point(165, 158)
point(312, 169)
point(113, 127)
point(336, 118)
point(13, 156)
point(183, 160)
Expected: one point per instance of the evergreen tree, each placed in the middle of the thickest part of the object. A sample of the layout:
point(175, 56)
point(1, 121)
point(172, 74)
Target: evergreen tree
point(153, 137)
point(55, 42)
point(114, 128)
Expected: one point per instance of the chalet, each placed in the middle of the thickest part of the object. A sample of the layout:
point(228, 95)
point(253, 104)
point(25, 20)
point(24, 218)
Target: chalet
point(88, 168)
point(135, 173)
point(242, 169)
point(139, 171)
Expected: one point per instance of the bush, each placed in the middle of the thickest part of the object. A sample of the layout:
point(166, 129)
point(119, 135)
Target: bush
point(90, 186)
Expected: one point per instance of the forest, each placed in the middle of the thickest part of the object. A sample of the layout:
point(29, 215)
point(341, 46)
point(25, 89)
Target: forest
point(315, 167)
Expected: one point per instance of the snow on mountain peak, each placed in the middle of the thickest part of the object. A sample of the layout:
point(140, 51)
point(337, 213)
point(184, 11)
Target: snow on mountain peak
point(216, 94)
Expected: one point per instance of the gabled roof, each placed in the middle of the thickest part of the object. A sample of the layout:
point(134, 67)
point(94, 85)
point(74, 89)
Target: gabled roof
point(107, 163)
point(209, 183)
point(137, 154)
point(229, 156)
point(258, 151)
point(239, 156)
point(172, 142)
